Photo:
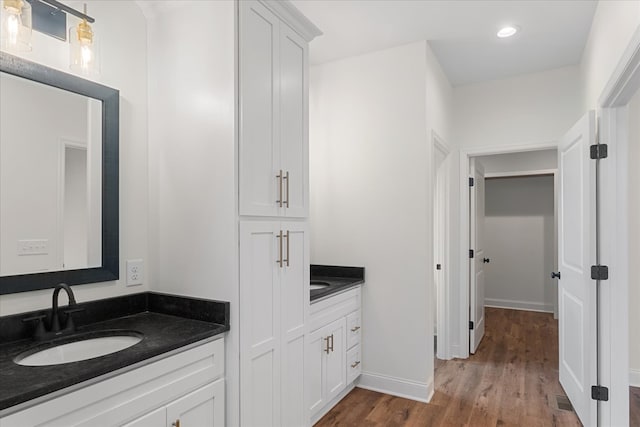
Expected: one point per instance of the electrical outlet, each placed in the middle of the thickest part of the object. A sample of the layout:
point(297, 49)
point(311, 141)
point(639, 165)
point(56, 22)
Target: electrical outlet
point(135, 272)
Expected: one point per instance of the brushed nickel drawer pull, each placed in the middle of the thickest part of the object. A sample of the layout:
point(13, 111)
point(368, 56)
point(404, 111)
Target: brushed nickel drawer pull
point(279, 176)
point(331, 343)
point(279, 237)
point(287, 237)
point(326, 349)
point(355, 364)
point(357, 328)
point(286, 202)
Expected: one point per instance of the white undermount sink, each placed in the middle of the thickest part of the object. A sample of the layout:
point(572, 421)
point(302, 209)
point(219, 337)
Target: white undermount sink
point(75, 351)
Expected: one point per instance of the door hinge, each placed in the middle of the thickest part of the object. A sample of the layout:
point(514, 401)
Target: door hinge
point(471, 325)
point(438, 266)
point(471, 181)
point(471, 253)
point(600, 393)
point(599, 272)
point(598, 151)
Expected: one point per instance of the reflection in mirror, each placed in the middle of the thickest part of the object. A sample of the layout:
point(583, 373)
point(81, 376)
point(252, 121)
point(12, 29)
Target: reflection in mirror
point(50, 178)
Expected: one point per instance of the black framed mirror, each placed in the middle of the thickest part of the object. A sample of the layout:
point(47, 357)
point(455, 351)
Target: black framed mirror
point(59, 197)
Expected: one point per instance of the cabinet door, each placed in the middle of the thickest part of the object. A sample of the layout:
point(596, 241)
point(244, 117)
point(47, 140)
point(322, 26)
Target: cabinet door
point(294, 287)
point(259, 160)
point(260, 323)
point(294, 113)
point(335, 361)
point(203, 407)
point(156, 418)
point(316, 346)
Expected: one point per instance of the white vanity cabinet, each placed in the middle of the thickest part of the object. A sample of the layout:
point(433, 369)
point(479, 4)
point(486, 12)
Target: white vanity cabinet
point(184, 389)
point(333, 350)
point(273, 130)
point(274, 290)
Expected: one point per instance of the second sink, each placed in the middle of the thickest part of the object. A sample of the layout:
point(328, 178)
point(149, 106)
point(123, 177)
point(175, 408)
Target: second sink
point(79, 347)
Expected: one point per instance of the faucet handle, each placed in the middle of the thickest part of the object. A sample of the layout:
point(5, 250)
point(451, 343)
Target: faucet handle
point(40, 331)
point(69, 325)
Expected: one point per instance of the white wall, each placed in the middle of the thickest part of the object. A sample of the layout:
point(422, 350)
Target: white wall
point(123, 39)
point(520, 162)
point(528, 109)
point(614, 23)
point(520, 242)
point(193, 228)
point(370, 168)
point(634, 238)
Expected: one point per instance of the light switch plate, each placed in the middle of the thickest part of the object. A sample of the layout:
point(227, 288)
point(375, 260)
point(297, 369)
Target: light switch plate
point(33, 247)
point(135, 272)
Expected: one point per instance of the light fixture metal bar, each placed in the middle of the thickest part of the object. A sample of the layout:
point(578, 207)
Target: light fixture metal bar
point(63, 7)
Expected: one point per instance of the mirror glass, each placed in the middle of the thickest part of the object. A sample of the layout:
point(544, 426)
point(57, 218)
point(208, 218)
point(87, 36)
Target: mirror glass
point(50, 178)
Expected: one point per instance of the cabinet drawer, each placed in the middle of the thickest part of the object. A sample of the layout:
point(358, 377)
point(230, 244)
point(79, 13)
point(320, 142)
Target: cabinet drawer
point(354, 328)
point(354, 367)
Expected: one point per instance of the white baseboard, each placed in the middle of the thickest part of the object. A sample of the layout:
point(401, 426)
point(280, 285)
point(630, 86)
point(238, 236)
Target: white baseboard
point(422, 392)
point(455, 352)
point(518, 305)
point(634, 378)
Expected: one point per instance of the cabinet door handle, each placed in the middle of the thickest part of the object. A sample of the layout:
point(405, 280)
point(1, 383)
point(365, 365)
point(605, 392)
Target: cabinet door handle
point(287, 237)
point(176, 423)
point(279, 176)
point(279, 237)
point(286, 177)
point(355, 329)
point(331, 348)
point(326, 349)
point(355, 364)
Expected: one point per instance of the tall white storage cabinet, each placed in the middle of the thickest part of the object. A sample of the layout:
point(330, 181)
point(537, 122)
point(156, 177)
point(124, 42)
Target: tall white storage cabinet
point(273, 207)
point(274, 104)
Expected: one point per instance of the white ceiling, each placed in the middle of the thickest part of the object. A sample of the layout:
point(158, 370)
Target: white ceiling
point(462, 33)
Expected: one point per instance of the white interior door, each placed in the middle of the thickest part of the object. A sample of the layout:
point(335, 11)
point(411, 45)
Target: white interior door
point(476, 264)
point(576, 290)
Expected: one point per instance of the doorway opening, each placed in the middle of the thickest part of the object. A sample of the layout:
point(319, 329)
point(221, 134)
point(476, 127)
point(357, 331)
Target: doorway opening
point(441, 248)
point(512, 236)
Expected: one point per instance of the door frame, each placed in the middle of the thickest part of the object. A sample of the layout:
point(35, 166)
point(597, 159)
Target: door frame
point(612, 110)
point(443, 313)
point(463, 286)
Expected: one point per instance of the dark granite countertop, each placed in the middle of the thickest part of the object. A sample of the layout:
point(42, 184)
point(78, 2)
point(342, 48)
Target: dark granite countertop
point(338, 279)
point(166, 323)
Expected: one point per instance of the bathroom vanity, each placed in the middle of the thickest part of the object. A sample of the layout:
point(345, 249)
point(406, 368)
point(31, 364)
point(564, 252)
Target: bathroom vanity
point(172, 376)
point(334, 349)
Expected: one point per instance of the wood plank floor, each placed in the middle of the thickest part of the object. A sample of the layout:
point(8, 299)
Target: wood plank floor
point(512, 380)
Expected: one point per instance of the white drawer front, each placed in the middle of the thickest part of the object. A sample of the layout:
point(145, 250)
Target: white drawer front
point(354, 328)
point(354, 365)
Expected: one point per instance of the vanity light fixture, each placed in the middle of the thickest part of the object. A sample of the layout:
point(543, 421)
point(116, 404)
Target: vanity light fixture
point(507, 31)
point(15, 25)
point(49, 17)
point(83, 53)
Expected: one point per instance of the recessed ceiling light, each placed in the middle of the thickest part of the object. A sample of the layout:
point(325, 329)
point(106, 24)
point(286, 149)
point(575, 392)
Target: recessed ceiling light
point(507, 31)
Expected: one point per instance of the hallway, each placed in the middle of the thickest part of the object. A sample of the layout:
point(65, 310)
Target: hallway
point(512, 380)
